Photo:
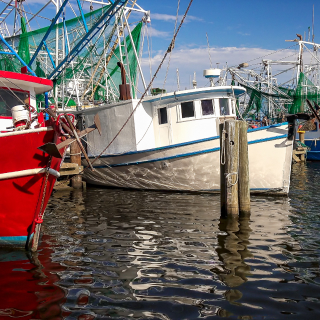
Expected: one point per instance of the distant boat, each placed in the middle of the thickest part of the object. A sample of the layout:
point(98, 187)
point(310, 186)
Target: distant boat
point(172, 143)
point(267, 97)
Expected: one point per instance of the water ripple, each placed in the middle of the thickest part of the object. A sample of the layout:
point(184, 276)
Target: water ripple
point(115, 254)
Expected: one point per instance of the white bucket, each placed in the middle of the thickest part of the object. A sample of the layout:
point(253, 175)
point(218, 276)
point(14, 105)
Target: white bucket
point(20, 115)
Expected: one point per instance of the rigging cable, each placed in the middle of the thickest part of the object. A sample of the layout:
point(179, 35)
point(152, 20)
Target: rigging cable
point(175, 26)
point(171, 46)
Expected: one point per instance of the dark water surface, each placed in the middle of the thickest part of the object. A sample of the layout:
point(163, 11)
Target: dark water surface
point(114, 254)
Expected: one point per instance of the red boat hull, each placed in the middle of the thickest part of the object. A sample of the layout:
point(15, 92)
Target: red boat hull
point(22, 198)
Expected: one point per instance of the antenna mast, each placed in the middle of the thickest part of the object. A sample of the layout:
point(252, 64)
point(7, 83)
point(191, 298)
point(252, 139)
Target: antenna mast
point(178, 80)
point(209, 51)
point(313, 23)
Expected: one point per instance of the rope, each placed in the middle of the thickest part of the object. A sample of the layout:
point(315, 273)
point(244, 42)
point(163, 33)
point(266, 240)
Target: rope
point(39, 219)
point(13, 93)
point(40, 216)
point(302, 145)
point(228, 175)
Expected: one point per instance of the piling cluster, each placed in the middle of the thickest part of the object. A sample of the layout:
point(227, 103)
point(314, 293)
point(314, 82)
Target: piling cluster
point(234, 168)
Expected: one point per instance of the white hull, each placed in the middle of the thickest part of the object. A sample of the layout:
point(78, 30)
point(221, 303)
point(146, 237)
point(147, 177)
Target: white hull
point(195, 166)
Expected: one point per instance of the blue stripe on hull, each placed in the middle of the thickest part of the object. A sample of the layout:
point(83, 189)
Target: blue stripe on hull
point(18, 241)
point(182, 155)
point(186, 143)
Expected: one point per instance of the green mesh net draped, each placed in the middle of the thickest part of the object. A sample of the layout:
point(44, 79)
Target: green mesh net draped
point(305, 90)
point(84, 65)
point(10, 62)
point(255, 100)
point(23, 49)
point(74, 28)
point(27, 42)
point(114, 70)
point(291, 100)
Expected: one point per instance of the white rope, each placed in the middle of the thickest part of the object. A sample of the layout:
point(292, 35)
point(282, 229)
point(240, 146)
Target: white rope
point(228, 175)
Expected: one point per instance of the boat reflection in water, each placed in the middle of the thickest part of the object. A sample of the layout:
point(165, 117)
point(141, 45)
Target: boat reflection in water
point(29, 282)
point(28, 289)
point(156, 255)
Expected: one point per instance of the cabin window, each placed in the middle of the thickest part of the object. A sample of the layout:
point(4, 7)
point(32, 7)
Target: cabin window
point(224, 108)
point(11, 98)
point(187, 109)
point(162, 115)
point(207, 107)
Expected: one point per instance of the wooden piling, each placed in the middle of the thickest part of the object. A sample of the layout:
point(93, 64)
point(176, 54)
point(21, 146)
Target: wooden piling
point(75, 157)
point(301, 139)
point(244, 188)
point(230, 156)
point(36, 236)
point(222, 133)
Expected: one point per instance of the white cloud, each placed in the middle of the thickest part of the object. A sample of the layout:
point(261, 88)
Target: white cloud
point(168, 17)
point(190, 60)
point(243, 33)
point(159, 34)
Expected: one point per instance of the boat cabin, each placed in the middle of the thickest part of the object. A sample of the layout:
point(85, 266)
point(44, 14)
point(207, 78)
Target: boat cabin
point(163, 120)
point(191, 114)
point(18, 89)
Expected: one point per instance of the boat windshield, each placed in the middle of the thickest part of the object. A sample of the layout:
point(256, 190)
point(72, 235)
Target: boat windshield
point(10, 98)
point(224, 109)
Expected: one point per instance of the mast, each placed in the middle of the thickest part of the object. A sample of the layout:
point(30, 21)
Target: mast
point(57, 52)
point(300, 69)
point(313, 24)
point(178, 80)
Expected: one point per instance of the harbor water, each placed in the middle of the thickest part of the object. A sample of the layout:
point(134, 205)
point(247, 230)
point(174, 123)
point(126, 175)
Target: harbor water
point(124, 254)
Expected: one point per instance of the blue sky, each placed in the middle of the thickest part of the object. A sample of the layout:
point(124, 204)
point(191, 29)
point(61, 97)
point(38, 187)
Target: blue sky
point(264, 24)
point(238, 31)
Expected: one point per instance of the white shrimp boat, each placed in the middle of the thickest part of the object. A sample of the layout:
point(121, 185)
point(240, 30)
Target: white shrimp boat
point(171, 142)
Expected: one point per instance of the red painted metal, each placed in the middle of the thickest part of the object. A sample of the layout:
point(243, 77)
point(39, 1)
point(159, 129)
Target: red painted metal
point(21, 198)
point(25, 77)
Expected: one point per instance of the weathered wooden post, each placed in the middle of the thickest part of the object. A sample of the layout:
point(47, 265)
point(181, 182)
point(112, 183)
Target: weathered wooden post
point(301, 139)
point(244, 188)
point(222, 134)
point(75, 157)
point(229, 151)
